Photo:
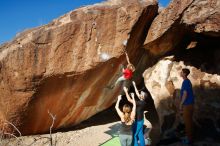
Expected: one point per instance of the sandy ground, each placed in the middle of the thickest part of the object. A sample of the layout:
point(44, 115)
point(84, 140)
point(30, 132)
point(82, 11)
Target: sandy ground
point(93, 132)
point(90, 136)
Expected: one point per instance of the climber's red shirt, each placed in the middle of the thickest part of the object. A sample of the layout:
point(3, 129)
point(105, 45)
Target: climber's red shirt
point(127, 73)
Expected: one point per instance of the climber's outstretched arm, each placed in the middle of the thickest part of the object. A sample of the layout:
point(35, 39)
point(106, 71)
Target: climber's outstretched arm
point(127, 58)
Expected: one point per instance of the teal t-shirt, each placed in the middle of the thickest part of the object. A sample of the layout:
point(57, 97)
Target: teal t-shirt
point(187, 86)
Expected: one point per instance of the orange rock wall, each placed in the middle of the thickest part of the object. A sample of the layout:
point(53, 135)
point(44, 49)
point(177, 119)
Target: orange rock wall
point(65, 66)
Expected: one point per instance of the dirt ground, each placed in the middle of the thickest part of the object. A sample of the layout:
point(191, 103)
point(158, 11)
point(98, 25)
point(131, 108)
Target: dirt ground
point(93, 132)
point(90, 136)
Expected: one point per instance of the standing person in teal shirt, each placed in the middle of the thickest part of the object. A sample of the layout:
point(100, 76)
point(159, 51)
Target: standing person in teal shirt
point(186, 105)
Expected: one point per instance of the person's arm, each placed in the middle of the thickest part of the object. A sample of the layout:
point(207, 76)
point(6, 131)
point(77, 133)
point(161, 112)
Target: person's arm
point(127, 58)
point(120, 113)
point(127, 95)
point(184, 88)
point(136, 90)
point(183, 98)
point(133, 112)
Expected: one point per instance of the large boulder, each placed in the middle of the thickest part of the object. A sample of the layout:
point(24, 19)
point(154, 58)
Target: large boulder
point(164, 82)
point(190, 31)
point(182, 19)
point(64, 67)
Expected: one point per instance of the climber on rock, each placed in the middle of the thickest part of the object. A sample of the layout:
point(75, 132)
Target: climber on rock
point(127, 72)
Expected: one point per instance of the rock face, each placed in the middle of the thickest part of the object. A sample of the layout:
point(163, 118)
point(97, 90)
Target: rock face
point(180, 19)
point(189, 30)
point(164, 82)
point(64, 67)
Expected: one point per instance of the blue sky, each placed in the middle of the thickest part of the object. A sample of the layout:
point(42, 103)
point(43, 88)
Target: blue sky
point(18, 15)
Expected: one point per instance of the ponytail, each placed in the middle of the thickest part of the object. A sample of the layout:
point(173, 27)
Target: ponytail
point(127, 117)
point(127, 113)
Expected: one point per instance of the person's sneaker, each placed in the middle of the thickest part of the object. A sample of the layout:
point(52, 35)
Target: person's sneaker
point(147, 141)
point(186, 141)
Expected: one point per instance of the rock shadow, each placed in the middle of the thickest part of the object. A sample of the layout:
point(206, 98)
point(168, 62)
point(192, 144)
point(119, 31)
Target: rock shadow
point(199, 51)
point(206, 118)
